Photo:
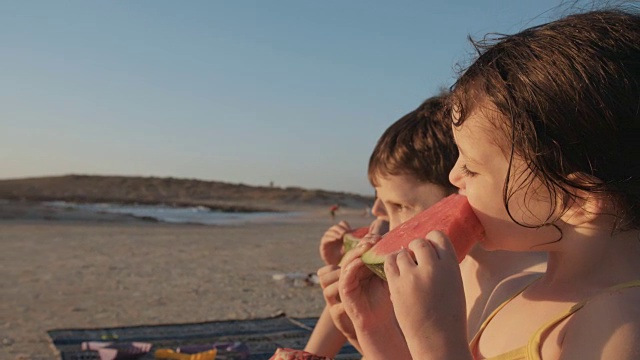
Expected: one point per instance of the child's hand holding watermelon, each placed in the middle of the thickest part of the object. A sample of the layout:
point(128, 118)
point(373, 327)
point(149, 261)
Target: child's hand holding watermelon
point(427, 295)
point(331, 243)
point(330, 274)
point(426, 273)
point(340, 238)
point(367, 302)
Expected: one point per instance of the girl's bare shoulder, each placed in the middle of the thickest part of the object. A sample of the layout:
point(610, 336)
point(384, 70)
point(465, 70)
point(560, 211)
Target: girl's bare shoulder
point(608, 325)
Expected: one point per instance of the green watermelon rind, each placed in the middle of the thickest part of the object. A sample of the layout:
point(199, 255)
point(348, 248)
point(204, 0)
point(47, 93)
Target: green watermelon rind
point(378, 269)
point(375, 263)
point(349, 242)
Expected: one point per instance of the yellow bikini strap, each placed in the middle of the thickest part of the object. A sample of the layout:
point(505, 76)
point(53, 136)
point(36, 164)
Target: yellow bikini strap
point(473, 344)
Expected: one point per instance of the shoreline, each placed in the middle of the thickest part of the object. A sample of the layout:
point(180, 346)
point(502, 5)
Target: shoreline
point(230, 208)
point(89, 212)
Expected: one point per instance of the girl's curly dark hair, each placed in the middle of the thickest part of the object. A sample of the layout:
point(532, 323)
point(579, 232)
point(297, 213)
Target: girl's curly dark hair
point(568, 93)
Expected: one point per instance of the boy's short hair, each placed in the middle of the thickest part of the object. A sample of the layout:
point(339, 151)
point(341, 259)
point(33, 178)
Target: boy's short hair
point(419, 144)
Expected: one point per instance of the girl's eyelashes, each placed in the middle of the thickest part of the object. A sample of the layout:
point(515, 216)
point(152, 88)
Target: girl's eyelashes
point(467, 172)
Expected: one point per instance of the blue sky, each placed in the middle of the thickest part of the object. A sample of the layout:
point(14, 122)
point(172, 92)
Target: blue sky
point(295, 92)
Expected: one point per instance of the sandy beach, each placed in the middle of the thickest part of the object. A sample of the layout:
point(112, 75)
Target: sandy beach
point(78, 271)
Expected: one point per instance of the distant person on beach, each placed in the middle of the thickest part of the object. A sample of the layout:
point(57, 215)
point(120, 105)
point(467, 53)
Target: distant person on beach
point(409, 168)
point(547, 123)
point(332, 211)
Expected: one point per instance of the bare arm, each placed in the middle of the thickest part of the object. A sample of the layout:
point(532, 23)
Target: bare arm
point(326, 339)
point(608, 327)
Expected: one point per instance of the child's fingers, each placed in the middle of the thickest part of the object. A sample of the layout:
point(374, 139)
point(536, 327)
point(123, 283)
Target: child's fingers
point(424, 251)
point(335, 233)
point(328, 275)
point(391, 266)
point(352, 275)
point(344, 225)
point(442, 245)
point(353, 271)
point(371, 238)
point(405, 260)
point(421, 251)
point(326, 269)
point(342, 321)
point(356, 252)
point(331, 294)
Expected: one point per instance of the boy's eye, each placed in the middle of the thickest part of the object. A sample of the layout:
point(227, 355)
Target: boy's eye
point(467, 172)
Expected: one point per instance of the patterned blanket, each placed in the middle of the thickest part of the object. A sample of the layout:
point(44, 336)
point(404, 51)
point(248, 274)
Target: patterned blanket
point(260, 336)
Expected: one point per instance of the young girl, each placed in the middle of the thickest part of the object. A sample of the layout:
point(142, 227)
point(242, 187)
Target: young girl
point(547, 123)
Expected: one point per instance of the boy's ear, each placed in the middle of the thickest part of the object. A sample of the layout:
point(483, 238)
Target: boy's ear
point(583, 207)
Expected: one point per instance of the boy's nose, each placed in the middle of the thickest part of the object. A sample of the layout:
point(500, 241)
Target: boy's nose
point(379, 210)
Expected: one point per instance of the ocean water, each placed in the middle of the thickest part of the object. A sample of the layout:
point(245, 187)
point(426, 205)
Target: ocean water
point(181, 215)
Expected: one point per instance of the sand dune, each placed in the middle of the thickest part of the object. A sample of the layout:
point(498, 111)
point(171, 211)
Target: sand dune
point(177, 192)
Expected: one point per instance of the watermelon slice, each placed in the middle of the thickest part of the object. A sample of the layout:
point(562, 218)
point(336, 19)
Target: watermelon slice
point(293, 354)
point(452, 215)
point(351, 240)
point(353, 237)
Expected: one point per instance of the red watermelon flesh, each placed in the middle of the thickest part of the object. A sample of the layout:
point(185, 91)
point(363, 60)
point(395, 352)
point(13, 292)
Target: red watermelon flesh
point(293, 354)
point(452, 215)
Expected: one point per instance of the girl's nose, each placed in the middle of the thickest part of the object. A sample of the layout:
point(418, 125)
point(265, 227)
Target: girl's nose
point(456, 177)
point(379, 210)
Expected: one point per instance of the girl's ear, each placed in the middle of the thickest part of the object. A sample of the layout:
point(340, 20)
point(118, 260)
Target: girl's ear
point(584, 207)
